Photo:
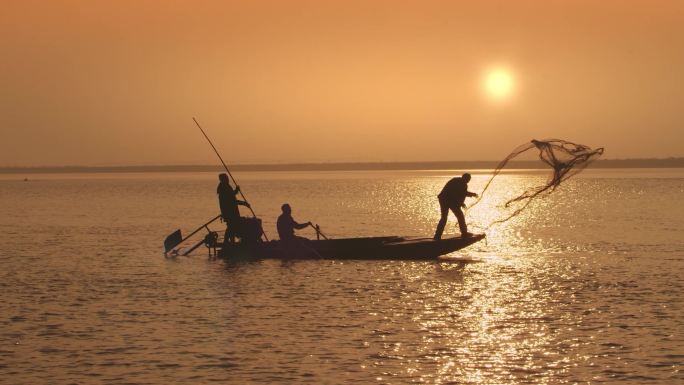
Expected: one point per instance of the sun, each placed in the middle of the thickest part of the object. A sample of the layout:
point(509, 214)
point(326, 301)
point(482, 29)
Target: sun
point(498, 83)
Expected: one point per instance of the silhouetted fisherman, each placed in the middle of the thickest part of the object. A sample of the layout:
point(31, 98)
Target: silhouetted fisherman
point(229, 207)
point(452, 198)
point(287, 225)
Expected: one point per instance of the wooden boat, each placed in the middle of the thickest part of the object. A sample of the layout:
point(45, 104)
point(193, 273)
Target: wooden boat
point(369, 248)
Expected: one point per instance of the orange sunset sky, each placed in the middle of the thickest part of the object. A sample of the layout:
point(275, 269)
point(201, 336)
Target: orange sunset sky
point(118, 82)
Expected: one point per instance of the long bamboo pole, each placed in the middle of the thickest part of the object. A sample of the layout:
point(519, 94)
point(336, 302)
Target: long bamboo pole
point(228, 171)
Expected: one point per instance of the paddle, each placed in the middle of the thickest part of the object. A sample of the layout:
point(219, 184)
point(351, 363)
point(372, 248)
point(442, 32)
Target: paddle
point(319, 233)
point(229, 173)
point(174, 239)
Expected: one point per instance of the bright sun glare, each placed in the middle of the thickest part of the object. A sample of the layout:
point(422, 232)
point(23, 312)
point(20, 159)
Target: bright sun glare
point(498, 83)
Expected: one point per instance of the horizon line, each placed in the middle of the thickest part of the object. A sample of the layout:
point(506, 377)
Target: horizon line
point(670, 162)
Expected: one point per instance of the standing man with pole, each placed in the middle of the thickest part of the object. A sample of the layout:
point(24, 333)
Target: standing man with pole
point(229, 208)
point(237, 190)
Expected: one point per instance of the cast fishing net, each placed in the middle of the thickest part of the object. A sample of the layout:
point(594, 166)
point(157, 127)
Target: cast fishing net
point(565, 159)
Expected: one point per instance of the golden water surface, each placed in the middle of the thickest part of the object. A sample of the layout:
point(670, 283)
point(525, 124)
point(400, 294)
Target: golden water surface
point(584, 287)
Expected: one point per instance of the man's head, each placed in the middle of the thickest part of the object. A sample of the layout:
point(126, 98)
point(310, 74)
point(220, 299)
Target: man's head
point(224, 178)
point(466, 177)
point(286, 208)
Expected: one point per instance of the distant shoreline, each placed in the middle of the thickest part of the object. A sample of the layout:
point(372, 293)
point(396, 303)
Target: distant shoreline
point(342, 166)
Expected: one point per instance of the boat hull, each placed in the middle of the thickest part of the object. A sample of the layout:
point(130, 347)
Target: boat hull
point(370, 248)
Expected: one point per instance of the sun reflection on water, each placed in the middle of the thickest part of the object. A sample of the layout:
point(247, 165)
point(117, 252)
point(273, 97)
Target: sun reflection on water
point(484, 323)
point(489, 322)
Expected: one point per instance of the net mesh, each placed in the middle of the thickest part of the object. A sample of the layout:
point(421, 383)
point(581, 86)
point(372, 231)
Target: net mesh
point(566, 159)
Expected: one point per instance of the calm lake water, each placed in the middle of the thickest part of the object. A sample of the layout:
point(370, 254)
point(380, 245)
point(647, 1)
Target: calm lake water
point(585, 287)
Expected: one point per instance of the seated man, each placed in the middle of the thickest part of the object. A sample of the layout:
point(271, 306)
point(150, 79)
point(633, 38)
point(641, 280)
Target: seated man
point(287, 225)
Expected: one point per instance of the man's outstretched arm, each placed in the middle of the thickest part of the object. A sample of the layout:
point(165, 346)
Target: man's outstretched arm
point(300, 226)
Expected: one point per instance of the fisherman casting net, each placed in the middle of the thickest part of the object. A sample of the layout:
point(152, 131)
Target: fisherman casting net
point(566, 159)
